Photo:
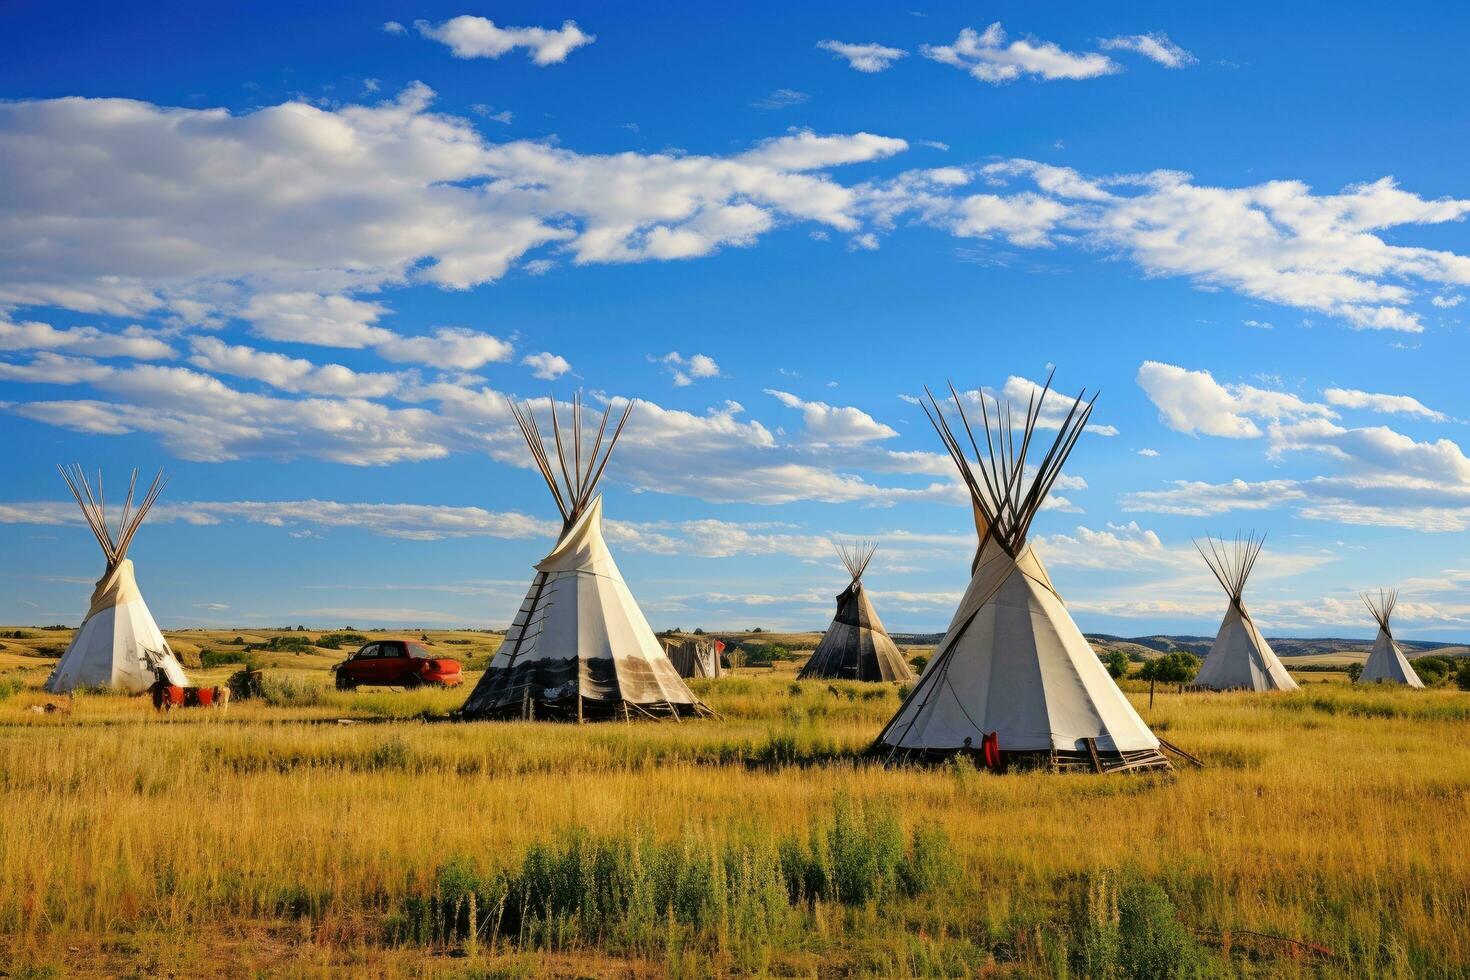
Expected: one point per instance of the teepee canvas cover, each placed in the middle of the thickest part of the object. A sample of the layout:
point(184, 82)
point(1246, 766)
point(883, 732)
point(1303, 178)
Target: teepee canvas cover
point(856, 646)
point(1013, 665)
point(119, 644)
point(696, 658)
point(579, 649)
point(1386, 663)
point(1240, 658)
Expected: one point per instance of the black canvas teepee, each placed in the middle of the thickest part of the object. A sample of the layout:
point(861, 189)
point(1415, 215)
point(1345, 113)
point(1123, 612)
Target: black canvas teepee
point(579, 648)
point(856, 646)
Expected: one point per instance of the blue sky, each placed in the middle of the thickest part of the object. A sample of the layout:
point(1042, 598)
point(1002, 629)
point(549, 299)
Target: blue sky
point(299, 258)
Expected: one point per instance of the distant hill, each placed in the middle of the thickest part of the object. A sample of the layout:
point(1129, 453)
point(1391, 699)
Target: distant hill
point(1285, 646)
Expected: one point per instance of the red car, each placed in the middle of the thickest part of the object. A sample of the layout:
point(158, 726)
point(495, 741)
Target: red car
point(397, 663)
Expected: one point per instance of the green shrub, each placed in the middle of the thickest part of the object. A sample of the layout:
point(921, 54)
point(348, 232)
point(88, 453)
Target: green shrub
point(764, 654)
point(859, 856)
point(629, 893)
point(10, 686)
point(1129, 928)
point(282, 691)
point(1462, 675)
point(1434, 671)
point(335, 641)
point(622, 893)
point(218, 658)
point(287, 644)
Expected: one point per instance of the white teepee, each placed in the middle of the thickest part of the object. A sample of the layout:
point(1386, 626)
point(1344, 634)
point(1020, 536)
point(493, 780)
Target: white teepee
point(579, 649)
point(1013, 668)
point(856, 646)
point(119, 644)
point(1386, 663)
point(1240, 658)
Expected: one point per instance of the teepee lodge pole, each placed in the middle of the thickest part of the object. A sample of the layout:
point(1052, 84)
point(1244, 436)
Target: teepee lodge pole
point(579, 649)
point(119, 644)
point(1027, 688)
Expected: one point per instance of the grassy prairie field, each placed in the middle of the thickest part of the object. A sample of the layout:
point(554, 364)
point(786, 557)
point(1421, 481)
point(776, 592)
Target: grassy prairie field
point(1326, 837)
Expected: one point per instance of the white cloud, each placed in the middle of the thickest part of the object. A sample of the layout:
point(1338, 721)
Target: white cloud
point(1118, 546)
point(287, 373)
point(1276, 241)
point(806, 150)
point(55, 369)
point(451, 347)
point(546, 365)
point(1388, 404)
point(412, 521)
point(987, 57)
point(394, 28)
point(307, 318)
point(338, 321)
point(392, 193)
point(720, 457)
point(703, 538)
point(868, 58)
point(833, 424)
point(379, 196)
point(1156, 47)
point(198, 417)
point(1379, 477)
point(1377, 451)
point(1055, 407)
point(1447, 302)
point(685, 370)
point(134, 342)
point(1195, 403)
point(1151, 453)
point(1193, 498)
point(468, 36)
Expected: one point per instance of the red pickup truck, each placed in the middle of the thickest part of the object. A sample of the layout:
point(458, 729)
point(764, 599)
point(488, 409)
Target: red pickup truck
point(397, 663)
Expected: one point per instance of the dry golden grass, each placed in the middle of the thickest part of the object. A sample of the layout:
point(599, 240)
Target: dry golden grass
point(273, 838)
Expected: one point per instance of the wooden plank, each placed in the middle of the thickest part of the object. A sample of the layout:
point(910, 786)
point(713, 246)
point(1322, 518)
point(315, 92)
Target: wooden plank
point(1092, 752)
point(1180, 752)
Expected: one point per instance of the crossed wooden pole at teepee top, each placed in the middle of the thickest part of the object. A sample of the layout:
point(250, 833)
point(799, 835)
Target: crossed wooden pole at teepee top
point(855, 557)
point(1381, 607)
point(94, 509)
point(1233, 562)
point(1003, 494)
point(578, 482)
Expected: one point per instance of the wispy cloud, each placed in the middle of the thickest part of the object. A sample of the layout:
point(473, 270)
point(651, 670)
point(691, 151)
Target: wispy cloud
point(868, 58)
point(1156, 47)
point(781, 98)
